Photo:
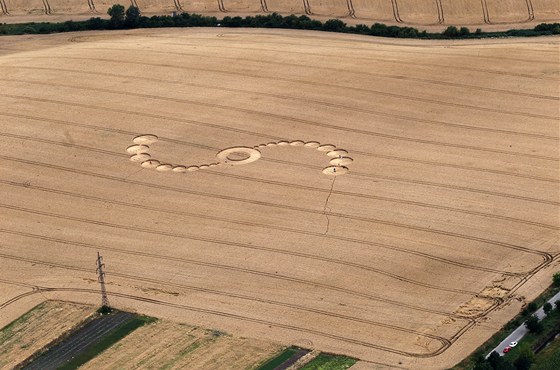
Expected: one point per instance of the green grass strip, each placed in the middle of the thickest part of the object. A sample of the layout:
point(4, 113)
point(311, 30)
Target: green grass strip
point(107, 341)
point(22, 319)
point(327, 361)
point(274, 362)
point(548, 358)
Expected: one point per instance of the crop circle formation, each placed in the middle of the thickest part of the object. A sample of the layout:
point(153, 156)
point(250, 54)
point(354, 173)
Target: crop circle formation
point(236, 156)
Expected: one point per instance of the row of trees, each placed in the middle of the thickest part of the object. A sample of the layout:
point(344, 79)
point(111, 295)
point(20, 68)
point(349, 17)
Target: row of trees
point(132, 18)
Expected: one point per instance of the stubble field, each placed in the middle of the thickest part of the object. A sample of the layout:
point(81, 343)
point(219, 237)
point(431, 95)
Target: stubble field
point(445, 222)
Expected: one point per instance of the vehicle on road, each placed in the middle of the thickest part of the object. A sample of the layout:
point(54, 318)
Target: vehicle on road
point(513, 344)
point(507, 349)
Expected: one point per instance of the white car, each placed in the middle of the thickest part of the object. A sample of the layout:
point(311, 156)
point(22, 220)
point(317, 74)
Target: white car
point(513, 344)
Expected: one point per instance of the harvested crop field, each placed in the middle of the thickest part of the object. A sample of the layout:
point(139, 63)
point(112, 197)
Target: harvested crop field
point(393, 201)
point(37, 328)
point(168, 345)
point(432, 15)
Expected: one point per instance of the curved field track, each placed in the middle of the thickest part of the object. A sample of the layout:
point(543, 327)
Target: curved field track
point(435, 210)
point(286, 6)
point(506, 11)
point(464, 12)
point(546, 10)
point(380, 10)
point(419, 11)
point(157, 6)
point(69, 7)
point(25, 7)
point(329, 8)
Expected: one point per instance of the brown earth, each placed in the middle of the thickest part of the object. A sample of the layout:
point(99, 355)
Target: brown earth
point(448, 214)
point(36, 329)
point(490, 15)
point(167, 345)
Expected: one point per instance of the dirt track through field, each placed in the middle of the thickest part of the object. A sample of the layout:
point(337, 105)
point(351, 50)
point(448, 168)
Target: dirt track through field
point(446, 218)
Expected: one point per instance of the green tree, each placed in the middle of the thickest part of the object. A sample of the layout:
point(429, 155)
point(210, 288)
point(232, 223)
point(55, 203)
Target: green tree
point(483, 366)
point(334, 25)
point(547, 308)
point(494, 359)
point(132, 17)
point(556, 279)
point(451, 32)
point(505, 365)
point(534, 325)
point(116, 12)
point(557, 304)
point(532, 307)
point(525, 358)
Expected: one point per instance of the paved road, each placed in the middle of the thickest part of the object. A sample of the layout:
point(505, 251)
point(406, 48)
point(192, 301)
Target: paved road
point(79, 342)
point(521, 330)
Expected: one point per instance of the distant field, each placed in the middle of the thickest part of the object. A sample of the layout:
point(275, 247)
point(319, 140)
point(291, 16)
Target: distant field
point(440, 222)
point(423, 13)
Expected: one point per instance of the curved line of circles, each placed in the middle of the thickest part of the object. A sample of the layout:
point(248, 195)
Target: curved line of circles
point(236, 156)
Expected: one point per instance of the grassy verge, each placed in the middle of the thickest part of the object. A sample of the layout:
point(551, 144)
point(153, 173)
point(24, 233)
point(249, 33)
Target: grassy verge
point(327, 361)
point(107, 341)
point(6, 331)
point(548, 358)
point(283, 356)
point(530, 339)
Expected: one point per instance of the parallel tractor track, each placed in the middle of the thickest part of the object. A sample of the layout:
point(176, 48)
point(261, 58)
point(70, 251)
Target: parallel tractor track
point(314, 257)
point(276, 78)
point(284, 184)
point(398, 77)
point(307, 7)
point(328, 104)
point(396, 14)
point(47, 7)
point(442, 340)
point(351, 11)
point(546, 256)
point(258, 247)
point(264, 6)
point(4, 8)
point(373, 177)
point(303, 82)
point(530, 11)
point(440, 16)
point(227, 315)
point(344, 46)
point(485, 13)
point(282, 117)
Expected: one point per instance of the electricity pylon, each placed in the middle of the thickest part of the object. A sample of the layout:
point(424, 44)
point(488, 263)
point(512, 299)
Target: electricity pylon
point(101, 279)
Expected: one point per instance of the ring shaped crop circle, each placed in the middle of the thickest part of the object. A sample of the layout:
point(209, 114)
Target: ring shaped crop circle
point(248, 155)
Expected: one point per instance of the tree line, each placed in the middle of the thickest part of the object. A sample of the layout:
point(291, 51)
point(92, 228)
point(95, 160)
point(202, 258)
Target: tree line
point(132, 18)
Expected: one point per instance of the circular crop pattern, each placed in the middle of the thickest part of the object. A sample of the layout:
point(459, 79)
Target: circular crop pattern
point(236, 156)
